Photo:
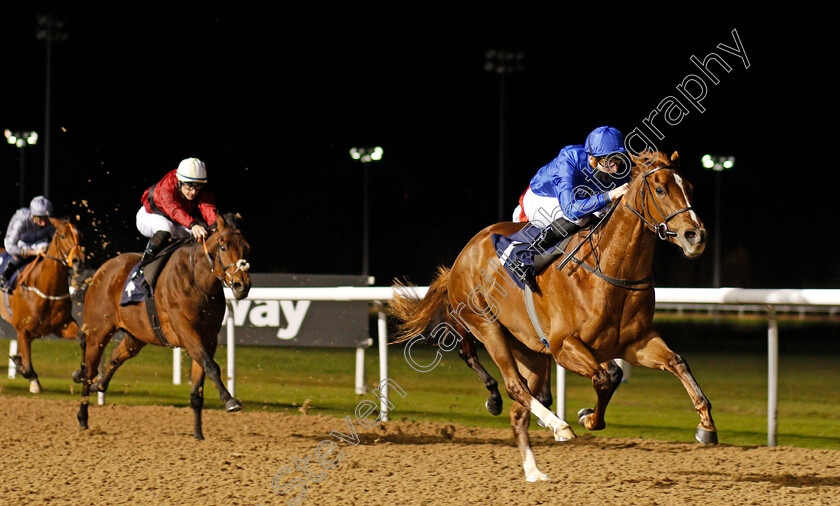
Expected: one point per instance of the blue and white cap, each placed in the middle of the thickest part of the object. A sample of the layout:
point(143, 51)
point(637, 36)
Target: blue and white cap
point(603, 141)
point(40, 206)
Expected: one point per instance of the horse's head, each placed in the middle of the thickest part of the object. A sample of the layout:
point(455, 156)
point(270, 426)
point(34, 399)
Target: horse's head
point(230, 255)
point(662, 198)
point(66, 244)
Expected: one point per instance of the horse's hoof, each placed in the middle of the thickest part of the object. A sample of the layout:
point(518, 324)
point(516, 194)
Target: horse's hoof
point(706, 437)
point(199, 437)
point(78, 375)
point(582, 414)
point(233, 405)
point(564, 434)
point(34, 387)
point(536, 476)
point(493, 407)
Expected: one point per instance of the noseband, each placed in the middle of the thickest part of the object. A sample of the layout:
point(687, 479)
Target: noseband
point(661, 229)
point(68, 257)
point(226, 277)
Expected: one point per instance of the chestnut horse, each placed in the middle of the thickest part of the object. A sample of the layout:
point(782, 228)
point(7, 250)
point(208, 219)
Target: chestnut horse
point(190, 303)
point(40, 303)
point(589, 318)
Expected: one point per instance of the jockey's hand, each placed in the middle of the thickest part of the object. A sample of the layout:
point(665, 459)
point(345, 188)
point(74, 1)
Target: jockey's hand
point(32, 252)
point(198, 231)
point(616, 193)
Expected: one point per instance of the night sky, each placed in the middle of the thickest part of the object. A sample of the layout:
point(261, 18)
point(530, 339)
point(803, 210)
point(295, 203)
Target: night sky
point(273, 95)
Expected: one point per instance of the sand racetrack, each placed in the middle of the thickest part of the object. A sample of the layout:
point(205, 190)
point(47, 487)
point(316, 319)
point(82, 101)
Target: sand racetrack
point(146, 455)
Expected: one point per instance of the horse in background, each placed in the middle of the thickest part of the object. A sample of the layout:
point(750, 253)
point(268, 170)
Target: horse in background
point(40, 303)
point(591, 314)
point(190, 300)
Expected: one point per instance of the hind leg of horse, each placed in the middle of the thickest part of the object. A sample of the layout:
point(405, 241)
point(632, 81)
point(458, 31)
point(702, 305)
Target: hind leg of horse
point(576, 357)
point(533, 369)
point(652, 352)
point(469, 354)
point(23, 360)
point(197, 397)
point(200, 355)
point(128, 348)
point(498, 342)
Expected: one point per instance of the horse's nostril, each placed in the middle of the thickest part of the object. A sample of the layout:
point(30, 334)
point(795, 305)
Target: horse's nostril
point(237, 286)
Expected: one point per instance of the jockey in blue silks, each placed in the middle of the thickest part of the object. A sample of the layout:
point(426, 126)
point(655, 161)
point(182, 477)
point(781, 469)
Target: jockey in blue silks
point(583, 180)
point(30, 232)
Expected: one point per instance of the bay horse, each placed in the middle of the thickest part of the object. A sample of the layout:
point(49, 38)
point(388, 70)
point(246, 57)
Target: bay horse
point(591, 314)
point(40, 302)
point(190, 301)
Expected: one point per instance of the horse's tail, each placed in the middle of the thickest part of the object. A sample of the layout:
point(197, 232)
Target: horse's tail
point(416, 315)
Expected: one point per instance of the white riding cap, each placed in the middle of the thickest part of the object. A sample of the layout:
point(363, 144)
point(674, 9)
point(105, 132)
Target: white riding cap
point(191, 170)
point(40, 206)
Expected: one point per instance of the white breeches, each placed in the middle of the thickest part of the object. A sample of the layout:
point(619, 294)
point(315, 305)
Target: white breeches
point(149, 223)
point(541, 211)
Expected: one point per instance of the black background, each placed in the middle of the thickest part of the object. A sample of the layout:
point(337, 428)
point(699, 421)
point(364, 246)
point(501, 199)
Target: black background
point(273, 95)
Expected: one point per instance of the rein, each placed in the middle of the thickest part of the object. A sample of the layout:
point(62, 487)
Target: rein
point(661, 229)
point(67, 261)
point(226, 277)
point(632, 284)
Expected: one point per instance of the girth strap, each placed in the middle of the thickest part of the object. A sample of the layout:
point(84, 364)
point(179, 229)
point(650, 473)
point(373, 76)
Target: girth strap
point(532, 314)
point(154, 319)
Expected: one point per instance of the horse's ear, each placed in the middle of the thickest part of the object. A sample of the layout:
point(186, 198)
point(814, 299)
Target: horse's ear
point(675, 159)
point(220, 222)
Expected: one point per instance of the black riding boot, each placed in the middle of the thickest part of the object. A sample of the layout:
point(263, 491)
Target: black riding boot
point(156, 244)
point(548, 237)
point(14, 263)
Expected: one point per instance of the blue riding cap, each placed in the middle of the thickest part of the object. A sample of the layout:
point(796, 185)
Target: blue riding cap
point(603, 141)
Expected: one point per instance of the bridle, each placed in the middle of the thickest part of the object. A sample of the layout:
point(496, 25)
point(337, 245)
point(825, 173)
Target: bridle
point(661, 229)
point(68, 259)
point(226, 277)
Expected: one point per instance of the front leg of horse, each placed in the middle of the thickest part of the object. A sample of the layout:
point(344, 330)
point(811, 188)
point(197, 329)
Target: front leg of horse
point(197, 397)
point(23, 360)
point(520, 417)
point(215, 374)
point(655, 354)
point(587, 417)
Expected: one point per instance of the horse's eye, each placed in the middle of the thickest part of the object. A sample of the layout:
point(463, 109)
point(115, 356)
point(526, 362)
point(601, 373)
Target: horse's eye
point(660, 190)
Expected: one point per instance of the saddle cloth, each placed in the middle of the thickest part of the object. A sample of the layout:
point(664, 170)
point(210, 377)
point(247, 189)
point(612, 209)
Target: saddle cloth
point(138, 289)
point(5, 258)
point(517, 246)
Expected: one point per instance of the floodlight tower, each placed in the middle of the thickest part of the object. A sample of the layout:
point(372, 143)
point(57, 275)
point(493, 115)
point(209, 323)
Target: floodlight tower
point(718, 164)
point(366, 155)
point(21, 140)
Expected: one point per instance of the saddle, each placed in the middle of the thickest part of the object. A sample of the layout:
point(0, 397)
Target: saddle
point(518, 246)
point(137, 290)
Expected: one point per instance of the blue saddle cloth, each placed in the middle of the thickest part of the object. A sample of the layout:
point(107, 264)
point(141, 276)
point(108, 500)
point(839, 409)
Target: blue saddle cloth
point(517, 246)
point(136, 290)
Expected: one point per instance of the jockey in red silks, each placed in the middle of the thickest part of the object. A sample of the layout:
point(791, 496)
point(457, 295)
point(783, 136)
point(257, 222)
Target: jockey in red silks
point(583, 180)
point(177, 206)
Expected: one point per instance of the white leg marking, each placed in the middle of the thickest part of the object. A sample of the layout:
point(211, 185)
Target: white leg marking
point(561, 429)
point(532, 473)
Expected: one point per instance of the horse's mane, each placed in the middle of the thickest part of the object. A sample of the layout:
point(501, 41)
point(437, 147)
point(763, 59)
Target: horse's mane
point(647, 160)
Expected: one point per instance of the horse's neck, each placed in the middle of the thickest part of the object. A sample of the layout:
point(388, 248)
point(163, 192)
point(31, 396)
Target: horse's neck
point(50, 276)
point(625, 246)
point(203, 272)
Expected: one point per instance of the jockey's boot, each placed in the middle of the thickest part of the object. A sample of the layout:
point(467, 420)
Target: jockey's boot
point(156, 244)
point(14, 263)
point(548, 238)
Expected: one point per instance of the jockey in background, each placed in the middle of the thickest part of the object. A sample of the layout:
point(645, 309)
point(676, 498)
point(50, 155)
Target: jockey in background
point(177, 206)
point(562, 196)
point(28, 235)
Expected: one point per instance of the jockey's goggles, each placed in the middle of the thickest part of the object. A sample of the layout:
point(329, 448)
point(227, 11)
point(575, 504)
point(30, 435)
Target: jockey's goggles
point(194, 186)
